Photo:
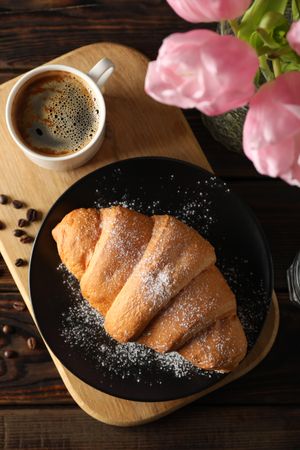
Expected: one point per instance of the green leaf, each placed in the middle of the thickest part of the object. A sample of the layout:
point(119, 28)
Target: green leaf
point(265, 68)
point(256, 41)
point(279, 36)
point(290, 57)
point(272, 20)
point(285, 52)
point(296, 9)
point(253, 16)
point(265, 50)
point(267, 38)
point(271, 34)
point(289, 60)
point(290, 67)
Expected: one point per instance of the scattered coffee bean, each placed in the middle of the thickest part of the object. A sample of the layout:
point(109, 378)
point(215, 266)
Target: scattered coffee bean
point(23, 223)
point(20, 262)
point(32, 215)
point(19, 306)
point(18, 232)
point(2, 225)
point(31, 343)
point(3, 341)
point(9, 354)
point(2, 367)
point(26, 239)
point(3, 199)
point(17, 204)
point(7, 329)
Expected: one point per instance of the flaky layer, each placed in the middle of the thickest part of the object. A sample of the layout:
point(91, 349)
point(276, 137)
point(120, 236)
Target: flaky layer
point(125, 235)
point(175, 254)
point(205, 299)
point(76, 237)
point(220, 347)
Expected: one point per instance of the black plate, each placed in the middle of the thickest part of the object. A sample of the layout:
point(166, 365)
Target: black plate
point(73, 330)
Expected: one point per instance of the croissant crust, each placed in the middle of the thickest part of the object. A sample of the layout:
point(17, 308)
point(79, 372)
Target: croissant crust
point(155, 281)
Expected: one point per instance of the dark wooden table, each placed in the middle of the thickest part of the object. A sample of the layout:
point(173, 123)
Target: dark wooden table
point(260, 411)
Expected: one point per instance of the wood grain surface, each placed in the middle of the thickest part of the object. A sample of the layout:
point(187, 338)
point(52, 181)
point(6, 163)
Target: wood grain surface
point(236, 428)
point(259, 411)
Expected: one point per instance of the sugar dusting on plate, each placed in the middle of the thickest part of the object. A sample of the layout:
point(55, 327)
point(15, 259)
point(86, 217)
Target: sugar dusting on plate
point(183, 208)
point(244, 285)
point(82, 329)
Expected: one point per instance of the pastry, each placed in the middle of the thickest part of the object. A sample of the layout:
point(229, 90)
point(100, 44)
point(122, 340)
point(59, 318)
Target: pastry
point(204, 300)
point(76, 237)
point(220, 347)
point(125, 235)
point(155, 281)
point(174, 256)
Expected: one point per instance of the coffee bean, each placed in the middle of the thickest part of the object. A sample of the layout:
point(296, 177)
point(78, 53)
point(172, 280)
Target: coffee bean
point(19, 306)
point(17, 204)
point(32, 215)
point(31, 343)
point(23, 223)
point(3, 341)
point(2, 367)
point(26, 239)
point(7, 329)
point(2, 225)
point(20, 262)
point(18, 232)
point(9, 354)
point(3, 199)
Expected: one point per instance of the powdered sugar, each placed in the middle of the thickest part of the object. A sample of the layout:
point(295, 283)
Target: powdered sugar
point(157, 286)
point(187, 204)
point(82, 330)
point(245, 285)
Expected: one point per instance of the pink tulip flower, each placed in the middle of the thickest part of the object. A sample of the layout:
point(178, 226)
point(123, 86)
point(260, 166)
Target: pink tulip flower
point(293, 36)
point(204, 70)
point(272, 128)
point(209, 10)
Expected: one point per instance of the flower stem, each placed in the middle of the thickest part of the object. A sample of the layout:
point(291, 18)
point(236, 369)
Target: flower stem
point(222, 27)
point(265, 69)
point(234, 25)
point(276, 67)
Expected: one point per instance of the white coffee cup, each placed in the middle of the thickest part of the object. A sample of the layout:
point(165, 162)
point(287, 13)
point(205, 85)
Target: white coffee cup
point(94, 79)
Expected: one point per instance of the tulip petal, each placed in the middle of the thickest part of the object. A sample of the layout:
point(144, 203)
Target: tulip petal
point(209, 10)
point(293, 36)
point(163, 91)
point(204, 70)
point(272, 128)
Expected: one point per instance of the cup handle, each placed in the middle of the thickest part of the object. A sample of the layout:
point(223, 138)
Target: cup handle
point(101, 72)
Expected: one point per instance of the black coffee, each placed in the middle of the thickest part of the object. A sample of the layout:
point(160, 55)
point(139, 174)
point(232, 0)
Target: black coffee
point(56, 114)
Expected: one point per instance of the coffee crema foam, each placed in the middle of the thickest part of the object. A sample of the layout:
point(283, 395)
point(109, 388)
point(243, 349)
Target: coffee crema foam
point(56, 114)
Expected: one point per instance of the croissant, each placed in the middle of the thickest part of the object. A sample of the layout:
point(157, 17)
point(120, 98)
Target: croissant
point(155, 281)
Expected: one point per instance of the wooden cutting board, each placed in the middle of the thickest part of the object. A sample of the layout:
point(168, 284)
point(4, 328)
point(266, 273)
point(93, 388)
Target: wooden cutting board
point(136, 126)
